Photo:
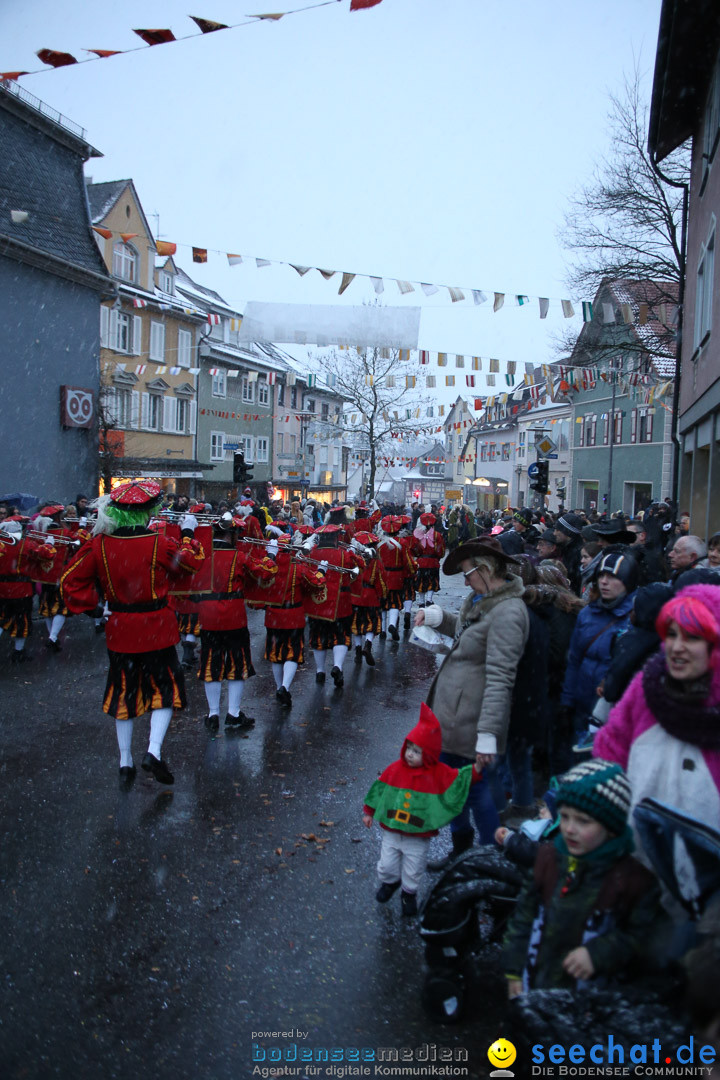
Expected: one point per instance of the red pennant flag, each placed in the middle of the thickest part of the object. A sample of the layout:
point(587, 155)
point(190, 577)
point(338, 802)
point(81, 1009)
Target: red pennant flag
point(165, 247)
point(155, 37)
point(55, 59)
point(357, 5)
point(11, 74)
point(107, 233)
point(104, 52)
point(207, 25)
point(199, 255)
point(128, 236)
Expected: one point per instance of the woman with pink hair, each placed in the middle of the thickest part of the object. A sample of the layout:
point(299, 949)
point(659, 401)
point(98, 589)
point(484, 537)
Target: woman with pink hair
point(665, 730)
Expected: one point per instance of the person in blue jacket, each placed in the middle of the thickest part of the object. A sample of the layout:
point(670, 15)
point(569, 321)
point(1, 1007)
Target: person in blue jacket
point(597, 626)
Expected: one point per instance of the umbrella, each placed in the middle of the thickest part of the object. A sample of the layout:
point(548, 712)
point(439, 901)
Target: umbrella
point(21, 499)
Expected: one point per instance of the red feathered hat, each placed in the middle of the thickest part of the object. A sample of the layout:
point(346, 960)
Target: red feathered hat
point(133, 493)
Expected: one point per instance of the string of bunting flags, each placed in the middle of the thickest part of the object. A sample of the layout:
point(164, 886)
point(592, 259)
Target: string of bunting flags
point(55, 58)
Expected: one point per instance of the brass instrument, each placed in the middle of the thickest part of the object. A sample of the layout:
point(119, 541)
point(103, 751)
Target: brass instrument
point(8, 538)
point(50, 538)
point(300, 556)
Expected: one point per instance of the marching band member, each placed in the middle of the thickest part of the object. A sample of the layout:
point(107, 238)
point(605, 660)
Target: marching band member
point(285, 614)
point(329, 624)
point(398, 566)
point(407, 539)
point(429, 551)
point(186, 608)
point(135, 568)
point(19, 556)
point(51, 607)
point(367, 593)
point(224, 636)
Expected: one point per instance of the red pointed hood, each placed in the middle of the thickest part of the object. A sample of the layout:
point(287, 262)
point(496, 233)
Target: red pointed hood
point(427, 735)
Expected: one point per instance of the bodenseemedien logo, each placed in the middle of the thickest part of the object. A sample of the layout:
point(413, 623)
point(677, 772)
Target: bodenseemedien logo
point(501, 1054)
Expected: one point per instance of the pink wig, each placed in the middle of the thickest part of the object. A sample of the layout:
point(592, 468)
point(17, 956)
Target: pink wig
point(692, 614)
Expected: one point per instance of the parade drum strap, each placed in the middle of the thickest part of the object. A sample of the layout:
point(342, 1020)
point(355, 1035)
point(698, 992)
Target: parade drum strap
point(201, 582)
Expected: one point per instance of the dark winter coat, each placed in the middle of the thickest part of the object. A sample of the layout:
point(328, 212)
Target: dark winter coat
point(558, 610)
point(529, 712)
point(609, 904)
point(570, 556)
point(591, 651)
point(651, 564)
point(632, 648)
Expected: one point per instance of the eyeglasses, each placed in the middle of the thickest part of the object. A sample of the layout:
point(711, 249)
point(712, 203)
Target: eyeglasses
point(467, 573)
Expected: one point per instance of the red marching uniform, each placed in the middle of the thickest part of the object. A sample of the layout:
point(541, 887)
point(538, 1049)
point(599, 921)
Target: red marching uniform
point(429, 551)
point(225, 641)
point(135, 569)
point(367, 593)
point(18, 560)
point(285, 613)
point(398, 565)
point(330, 620)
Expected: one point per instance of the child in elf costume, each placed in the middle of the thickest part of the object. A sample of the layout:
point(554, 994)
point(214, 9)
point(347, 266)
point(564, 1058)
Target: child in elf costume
point(412, 799)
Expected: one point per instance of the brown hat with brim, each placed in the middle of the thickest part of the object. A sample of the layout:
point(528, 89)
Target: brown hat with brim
point(476, 549)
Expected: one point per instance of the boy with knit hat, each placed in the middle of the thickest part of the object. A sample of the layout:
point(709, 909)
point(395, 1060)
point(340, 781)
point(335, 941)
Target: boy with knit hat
point(412, 799)
point(590, 906)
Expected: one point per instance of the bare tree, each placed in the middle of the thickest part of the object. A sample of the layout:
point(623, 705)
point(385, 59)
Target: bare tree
point(110, 439)
point(382, 396)
point(626, 223)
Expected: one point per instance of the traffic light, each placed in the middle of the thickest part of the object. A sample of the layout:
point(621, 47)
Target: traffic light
point(541, 479)
point(242, 472)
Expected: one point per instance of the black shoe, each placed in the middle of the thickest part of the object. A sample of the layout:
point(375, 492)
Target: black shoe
point(367, 653)
point(386, 890)
point(409, 903)
point(212, 722)
point(358, 654)
point(320, 677)
point(158, 768)
point(406, 620)
point(188, 655)
point(100, 627)
point(284, 697)
point(54, 646)
point(337, 677)
point(127, 777)
point(241, 722)
point(382, 635)
point(393, 631)
point(19, 656)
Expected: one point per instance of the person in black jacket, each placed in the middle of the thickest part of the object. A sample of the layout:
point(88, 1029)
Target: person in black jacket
point(568, 538)
point(640, 640)
point(649, 557)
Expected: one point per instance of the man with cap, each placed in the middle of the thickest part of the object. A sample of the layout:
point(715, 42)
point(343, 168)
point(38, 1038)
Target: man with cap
point(568, 528)
point(547, 547)
point(135, 568)
point(612, 532)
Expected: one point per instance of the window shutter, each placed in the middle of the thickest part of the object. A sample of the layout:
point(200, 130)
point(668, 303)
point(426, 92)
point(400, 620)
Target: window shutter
point(633, 426)
point(134, 409)
point(113, 329)
point(648, 426)
point(145, 411)
point(110, 406)
point(157, 341)
point(104, 326)
point(136, 335)
point(192, 421)
point(168, 421)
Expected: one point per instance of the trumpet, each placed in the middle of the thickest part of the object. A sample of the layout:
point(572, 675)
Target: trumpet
point(300, 556)
point(176, 515)
point(50, 538)
point(7, 538)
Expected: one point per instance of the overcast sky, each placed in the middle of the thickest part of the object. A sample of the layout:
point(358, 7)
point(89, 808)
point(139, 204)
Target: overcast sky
point(430, 140)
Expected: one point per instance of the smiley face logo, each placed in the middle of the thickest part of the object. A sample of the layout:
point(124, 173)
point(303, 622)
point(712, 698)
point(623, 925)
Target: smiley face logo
point(502, 1053)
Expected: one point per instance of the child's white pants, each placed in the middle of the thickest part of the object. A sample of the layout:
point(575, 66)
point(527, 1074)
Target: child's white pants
point(403, 858)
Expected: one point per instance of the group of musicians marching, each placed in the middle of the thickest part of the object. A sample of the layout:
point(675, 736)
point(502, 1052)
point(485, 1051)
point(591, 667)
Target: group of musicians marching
point(161, 580)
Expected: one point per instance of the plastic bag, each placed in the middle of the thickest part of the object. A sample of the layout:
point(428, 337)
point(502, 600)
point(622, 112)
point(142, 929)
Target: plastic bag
point(429, 639)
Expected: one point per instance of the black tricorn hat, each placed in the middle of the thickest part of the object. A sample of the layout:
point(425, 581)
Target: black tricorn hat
point(476, 549)
point(614, 530)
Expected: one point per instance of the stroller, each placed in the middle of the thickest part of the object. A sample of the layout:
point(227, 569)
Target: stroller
point(462, 916)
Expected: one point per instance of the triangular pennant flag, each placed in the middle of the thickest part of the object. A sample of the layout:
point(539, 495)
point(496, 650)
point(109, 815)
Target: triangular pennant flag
point(403, 356)
point(107, 233)
point(165, 247)
point(405, 286)
point(567, 309)
point(327, 274)
point(511, 367)
point(424, 356)
point(442, 359)
point(449, 380)
point(470, 380)
point(235, 324)
point(358, 5)
point(276, 16)
point(137, 302)
point(410, 381)
point(429, 290)
point(126, 236)
point(234, 260)
point(430, 381)
point(102, 53)
point(522, 300)
point(455, 294)
point(207, 25)
point(459, 361)
point(213, 318)
point(199, 255)
point(262, 262)
point(175, 370)
point(346, 279)
point(544, 305)
point(509, 380)
point(499, 301)
point(587, 311)
point(55, 59)
point(477, 363)
point(490, 380)
point(11, 76)
point(494, 364)
point(479, 296)
point(478, 404)
point(378, 285)
point(155, 37)
point(301, 270)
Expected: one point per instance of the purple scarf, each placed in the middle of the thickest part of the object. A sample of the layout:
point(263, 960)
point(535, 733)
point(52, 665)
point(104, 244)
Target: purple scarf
point(684, 716)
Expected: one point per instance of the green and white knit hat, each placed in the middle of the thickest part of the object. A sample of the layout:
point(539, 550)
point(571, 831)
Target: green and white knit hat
point(600, 789)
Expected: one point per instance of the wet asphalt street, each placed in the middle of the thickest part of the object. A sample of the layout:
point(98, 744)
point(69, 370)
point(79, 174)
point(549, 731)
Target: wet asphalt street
point(161, 930)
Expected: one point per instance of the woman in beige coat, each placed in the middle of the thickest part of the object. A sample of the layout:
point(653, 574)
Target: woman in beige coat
point(472, 691)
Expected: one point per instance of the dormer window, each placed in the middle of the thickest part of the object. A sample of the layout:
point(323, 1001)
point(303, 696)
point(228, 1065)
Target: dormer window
point(125, 262)
point(167, 283)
